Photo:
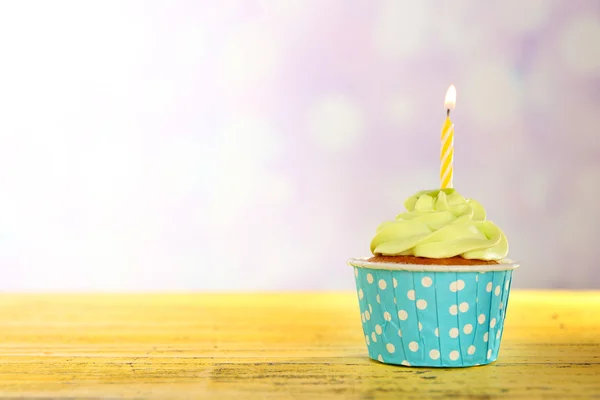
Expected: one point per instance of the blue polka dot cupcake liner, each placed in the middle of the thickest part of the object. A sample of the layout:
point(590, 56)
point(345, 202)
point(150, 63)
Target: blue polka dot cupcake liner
point(433, 315)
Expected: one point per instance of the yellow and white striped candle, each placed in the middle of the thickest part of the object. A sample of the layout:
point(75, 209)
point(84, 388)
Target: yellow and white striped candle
point(447, 152)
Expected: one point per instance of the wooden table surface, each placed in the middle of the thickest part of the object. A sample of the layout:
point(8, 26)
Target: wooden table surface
point(275, 346)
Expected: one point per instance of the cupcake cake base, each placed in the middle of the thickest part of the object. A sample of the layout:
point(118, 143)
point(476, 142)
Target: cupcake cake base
point(431, 312)
point(429, 261)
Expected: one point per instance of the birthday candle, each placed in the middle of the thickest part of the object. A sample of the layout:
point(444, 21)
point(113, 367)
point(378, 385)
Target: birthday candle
point(447, 150)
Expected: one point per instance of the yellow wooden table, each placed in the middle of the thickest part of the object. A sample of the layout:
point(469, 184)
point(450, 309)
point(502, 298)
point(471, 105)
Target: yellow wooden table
point(275, 346)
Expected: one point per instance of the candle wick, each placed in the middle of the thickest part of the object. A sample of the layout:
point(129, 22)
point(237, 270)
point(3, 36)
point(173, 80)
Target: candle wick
point(447, 112)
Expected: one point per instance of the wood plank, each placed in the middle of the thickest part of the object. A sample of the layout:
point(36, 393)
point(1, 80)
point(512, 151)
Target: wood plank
point(275, 346)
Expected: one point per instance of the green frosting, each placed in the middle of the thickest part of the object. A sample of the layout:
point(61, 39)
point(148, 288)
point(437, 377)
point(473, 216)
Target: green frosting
point(441, 224)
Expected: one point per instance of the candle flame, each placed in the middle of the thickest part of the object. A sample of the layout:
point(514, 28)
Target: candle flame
point(450, 101)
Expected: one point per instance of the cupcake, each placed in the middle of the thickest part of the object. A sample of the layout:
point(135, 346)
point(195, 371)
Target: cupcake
point(435, 292)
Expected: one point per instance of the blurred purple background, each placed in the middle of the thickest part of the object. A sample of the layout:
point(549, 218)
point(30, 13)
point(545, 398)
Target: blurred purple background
point(245, 145)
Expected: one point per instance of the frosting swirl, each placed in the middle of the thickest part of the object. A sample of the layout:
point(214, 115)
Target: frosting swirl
point(441, 224)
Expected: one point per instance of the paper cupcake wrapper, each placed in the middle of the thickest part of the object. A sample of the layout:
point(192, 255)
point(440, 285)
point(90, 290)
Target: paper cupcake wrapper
point(432, 318)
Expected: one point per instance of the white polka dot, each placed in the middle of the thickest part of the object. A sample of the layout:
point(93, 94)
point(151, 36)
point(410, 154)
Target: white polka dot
point(382, 284)
point(437, 332)
point(378, 298)
point(369, 278)
point(476, 299)
point(390, 348)
point(481, 318)
point(464, 306)
point(471, 349)
point(434, 354)
point(367, 340)
point(489, 354)
point(395, 282)
point(488, 287)
point(360, 294)
point(507, 284)
point(493, 323)
point(421, 304)
point(336, 123)
point(413, 346)
point(468, 328)
point(356, 272)
point(453, 333)
point(582, 28)
point(394, 300)
point(420, 326)
point(426, 281)
point(457, 285)
point(400, 332)
point(370, 309)
point(453, 309)
point(378, 329)
point(374, 337)
point(410, 294)
point(367, 315)
point(498, 334)
point(497, 291)
point(454, 354)
point(501, 305)
point(485, 337)
point(387, 316)
point(404, 362)
point(362, 316)
point(477, 278)
point(402, 314)
point(380, 358)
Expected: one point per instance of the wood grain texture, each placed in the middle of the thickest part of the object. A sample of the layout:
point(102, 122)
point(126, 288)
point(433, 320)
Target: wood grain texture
point(275, 346)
